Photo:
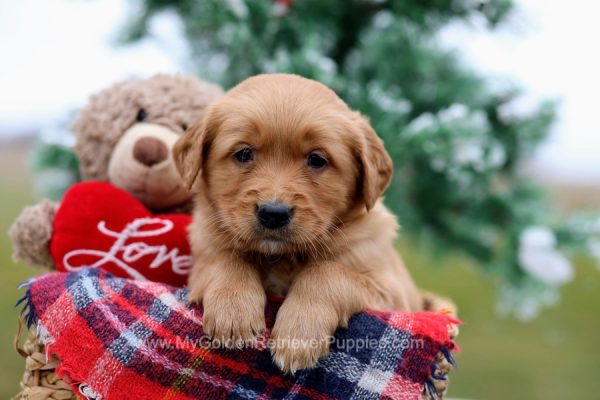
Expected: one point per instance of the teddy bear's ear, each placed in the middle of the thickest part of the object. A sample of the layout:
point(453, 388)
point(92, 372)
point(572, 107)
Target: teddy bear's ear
point(189, 150)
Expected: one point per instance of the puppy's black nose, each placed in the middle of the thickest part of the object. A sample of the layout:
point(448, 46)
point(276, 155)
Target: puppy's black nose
point(274, 215)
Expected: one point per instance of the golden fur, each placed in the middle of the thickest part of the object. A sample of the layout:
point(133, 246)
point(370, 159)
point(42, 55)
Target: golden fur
point(336, 258)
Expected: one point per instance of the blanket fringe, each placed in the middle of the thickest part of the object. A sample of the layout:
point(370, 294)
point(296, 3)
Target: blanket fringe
point(436, 385)
point(431, 390)
point(446, 352)
point(27, 313)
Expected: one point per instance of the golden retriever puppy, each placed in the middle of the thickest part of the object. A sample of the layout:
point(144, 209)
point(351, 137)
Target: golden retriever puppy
point(289, 182)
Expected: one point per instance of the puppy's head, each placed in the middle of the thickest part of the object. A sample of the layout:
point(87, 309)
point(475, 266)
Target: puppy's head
point(283, 160)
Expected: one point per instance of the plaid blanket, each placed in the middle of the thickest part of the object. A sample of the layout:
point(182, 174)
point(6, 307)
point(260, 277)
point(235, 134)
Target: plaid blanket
point(124, 339)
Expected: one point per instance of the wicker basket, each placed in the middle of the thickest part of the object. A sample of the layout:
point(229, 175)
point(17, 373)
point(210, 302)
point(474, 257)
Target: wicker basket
point(40, 381)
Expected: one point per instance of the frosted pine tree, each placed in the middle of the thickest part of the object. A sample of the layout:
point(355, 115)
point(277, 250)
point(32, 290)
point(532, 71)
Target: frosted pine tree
point(457, 151)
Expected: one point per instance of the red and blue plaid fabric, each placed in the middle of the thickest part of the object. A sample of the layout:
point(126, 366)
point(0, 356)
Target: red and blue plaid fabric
point(124, 339)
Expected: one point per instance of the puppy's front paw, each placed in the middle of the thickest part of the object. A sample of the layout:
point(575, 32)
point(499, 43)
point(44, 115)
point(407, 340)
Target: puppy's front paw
point(233, 317)
point(301, 335)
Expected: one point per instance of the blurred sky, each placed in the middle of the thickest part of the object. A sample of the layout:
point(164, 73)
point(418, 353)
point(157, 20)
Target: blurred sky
point(55, 53)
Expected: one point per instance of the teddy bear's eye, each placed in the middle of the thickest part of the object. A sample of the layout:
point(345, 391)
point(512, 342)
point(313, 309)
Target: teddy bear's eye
point(184, 127)
point(141, 115)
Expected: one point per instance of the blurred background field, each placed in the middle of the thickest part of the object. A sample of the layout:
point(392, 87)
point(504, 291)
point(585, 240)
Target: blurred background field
point(15, 192)
point(553, 357)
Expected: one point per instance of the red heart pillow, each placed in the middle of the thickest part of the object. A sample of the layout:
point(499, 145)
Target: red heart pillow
point(101, 226)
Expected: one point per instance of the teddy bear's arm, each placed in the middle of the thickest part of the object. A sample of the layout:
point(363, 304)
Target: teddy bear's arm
point(31, 232)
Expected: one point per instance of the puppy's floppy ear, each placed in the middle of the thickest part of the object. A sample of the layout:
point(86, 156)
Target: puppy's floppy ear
point(376, 165)
point(190, 149)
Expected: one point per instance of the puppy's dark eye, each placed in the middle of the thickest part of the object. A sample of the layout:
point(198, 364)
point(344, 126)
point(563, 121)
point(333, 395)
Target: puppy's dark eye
point(244, 155)
point(184, 127)
point(316, 161)
point(141, 115)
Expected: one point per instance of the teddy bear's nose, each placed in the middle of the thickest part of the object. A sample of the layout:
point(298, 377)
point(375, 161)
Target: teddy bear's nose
point(150, 151)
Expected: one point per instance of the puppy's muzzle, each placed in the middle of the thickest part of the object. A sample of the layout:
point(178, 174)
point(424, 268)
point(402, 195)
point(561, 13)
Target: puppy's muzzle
point(274, 215)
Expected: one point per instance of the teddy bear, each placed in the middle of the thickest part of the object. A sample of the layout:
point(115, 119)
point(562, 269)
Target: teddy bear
point(124, 136)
